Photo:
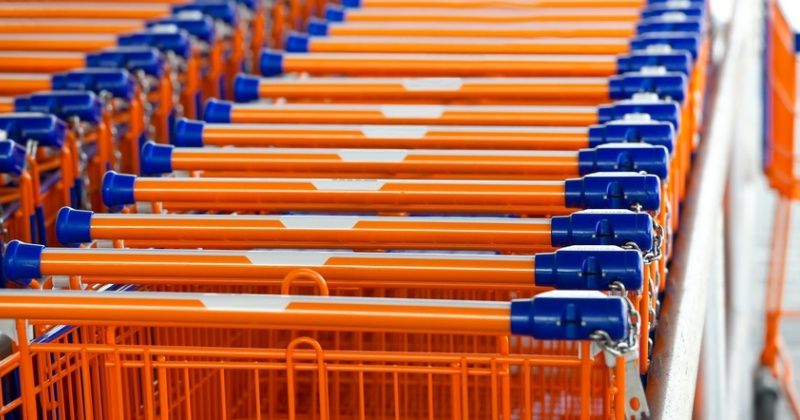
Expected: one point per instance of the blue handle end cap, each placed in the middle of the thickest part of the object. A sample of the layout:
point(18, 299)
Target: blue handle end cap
point(296, 42)
point(603, 227)
point(625, 157)
point(317, 27)
point(614, 190)
point(334, 13)
point(117, 189)
point(245, 88)
point(156, 159)
point(590, 268)
point(22, 262)
point(353, 4)
point(12, 157)
point(654, 133)
point(217, 111)
point(271, 63)
point(188, 133)
point(73, 227)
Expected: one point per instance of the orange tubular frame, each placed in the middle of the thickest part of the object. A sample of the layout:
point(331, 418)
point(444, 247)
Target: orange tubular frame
point(104, 10)
point(39, 62)
point(14, 84)
point(69, 26)
point(530, 91)
point(433, 65)
point(56, 42)
point(502, 4)
point(477, 30)
point(488, 15)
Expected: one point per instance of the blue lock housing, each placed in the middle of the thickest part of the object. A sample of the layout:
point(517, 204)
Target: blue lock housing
point(175, 41)
point(116, 82)
point(665, 23)
point(317, 27)
point(12, 158)
point(74, 227)
point(296, 42)
point(132, 58)
point(603, 227)
point(655, 133)
point(687, 8)
point(188, 133)
point(63, 104)
point(217, 111)
point(200, 27)
point(22, 262)
point(45, 129)
point(672, 61)
point(245, 88)
point(685, 41)
point(625, 157)
point(665, 85)
point(354, 4)
point(659, 110)
point(570, 315)
point(271, 63)
point(613, 191)
point(589, 268)
point(117, 189)
point(156, 159)
point(335, 13)
point(221, 10)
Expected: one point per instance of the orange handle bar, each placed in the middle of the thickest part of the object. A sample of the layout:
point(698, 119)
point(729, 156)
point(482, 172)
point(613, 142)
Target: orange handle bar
point(481, 115)
point(39, 62)
point(14, 84)
point(387, 137)
point(6, 104)
point(298, 231)
point(69, 26)
point(105, 10)
point(463, 45)
point(490, 15)
point(590, 91)
point(501, 4)
point(433, 65)
point(477, 30)
point(56, 42)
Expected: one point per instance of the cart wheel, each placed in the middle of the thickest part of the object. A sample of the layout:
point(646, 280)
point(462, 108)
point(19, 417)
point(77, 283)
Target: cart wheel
point(767, 393)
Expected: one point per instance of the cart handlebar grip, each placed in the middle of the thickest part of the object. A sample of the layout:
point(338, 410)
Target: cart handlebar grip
point(224, 11)
point(691, 9)
point(570, 315)
point(63, 104)
point(218, 111)
point(665, 85)
point(200, 27)
point(656, 133)
point(245, 88)
point(271, 63)
point(625, 157)
point(189, 133)
point(613, 191)
point(665, 23)
point(603, 227)
point(590, 268)
point(22, 262)
point(351, 3)
point(335, 13)
point(132, 58)
point(12, 157)
point(73, 227)
point(117, 82)
point(117, 189)
point(658, 110)
point(155, 159)
point(43, 128)
point(686, 41)
point(317, 27)
point(296, 42)
point(176, 41)
point(671, 61)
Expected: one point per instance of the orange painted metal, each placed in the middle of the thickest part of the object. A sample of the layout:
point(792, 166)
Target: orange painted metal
point(477, 30)
point(39, 62)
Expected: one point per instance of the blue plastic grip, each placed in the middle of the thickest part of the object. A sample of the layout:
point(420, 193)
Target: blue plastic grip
point(156, 159)
point(200, 27)
point(245, 88)
point(570, 315)
point(602, 227)
point(217, 111)
point(22, 262)
point(672, 61)
point(686, 41)
point(271, 63)
point(135, 59)
point(654, 133)
point(666, 85)
point(625, 157)
point(317, 27)
point(74, 227)
point(12, 158)
point(665, 23)
point(613, 191)
point(688, 9)
point(188, 133)
point(117, 82)
point(589, 268)
point(658, 110)
point(176, 42)
point(354, 4)
point(117, 189)
point(296, 42)
point(44, 128)
point(63, 104)
point(224, 11)
point(334, 13)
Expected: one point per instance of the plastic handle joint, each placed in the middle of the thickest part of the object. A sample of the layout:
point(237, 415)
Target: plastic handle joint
point(655, 133)
point(12, 158)
point(667, 111)
point(614, 191)
point(176, 42)
point(117, 82)
point(590, 268)
point(44, 128)
point(64, 104)
point(666, 85)
point(603, 227)
point(132, 58)
point(625, 157)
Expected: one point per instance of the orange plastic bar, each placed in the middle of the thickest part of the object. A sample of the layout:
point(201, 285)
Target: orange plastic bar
point(79, 10)
point(477, 30)
point(491, 15)
point(69, 26)
point(441, 115)
point(501, 4)
point(573, 90)
point(6, 104)
point(301, 231)
point(336, 195)
point(14, 84)
point(442, 65)
point(463, 45)
point(338, 268)
point(393, 136)
point(56, 42)
point(40, 62)
point(260, 311)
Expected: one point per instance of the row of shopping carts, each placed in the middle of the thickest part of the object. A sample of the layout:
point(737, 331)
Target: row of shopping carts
point(448, 208)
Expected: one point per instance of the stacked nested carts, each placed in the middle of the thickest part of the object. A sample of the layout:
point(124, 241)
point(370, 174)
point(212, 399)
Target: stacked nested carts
point(438, 209)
